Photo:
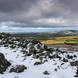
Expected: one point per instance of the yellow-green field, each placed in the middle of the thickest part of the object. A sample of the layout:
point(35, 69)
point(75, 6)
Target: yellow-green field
point(61, 40)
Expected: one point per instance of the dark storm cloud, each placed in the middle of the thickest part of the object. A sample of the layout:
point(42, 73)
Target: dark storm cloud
point(70, 4)
point(39, 12)
point(15, 5)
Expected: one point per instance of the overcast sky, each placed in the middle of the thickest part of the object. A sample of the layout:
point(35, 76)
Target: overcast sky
point(38, 13)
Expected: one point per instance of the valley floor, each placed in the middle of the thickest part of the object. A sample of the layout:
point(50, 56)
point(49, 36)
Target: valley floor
point(65, 47)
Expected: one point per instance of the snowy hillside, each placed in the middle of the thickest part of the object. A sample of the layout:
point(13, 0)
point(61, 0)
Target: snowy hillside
point(31, 59)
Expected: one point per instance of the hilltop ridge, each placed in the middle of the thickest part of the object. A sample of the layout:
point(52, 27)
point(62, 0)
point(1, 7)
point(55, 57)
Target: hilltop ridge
point(30, 57)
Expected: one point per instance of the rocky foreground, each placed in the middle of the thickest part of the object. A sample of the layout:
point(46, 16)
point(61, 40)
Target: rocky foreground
point(23, 58)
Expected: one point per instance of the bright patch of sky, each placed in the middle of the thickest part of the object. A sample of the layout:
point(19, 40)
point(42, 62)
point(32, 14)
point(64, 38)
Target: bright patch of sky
point(19, 29)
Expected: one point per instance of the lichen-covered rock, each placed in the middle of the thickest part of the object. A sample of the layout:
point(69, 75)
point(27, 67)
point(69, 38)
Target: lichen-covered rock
point(18, 68)
point(3, 63)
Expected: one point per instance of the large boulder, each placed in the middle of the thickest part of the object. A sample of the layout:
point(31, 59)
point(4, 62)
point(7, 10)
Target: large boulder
point(3, 63)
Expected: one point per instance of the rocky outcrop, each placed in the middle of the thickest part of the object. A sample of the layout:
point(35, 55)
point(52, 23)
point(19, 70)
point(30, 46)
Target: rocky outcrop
point(35, 49)
point(3, 63)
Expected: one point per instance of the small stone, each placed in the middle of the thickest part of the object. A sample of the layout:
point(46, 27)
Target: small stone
point(37, 63)
point(46, 73)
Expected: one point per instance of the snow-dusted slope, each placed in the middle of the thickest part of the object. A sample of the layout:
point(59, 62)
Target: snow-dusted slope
point(57, 63)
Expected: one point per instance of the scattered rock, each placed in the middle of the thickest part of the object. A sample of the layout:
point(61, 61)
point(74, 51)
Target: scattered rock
point(65, 60)
point(75, 63)
point(76, 73)
point(37, 63)
point(69, 57)
point(55, 69)
point(18, 68)
point(35, 41)
point(46, 73)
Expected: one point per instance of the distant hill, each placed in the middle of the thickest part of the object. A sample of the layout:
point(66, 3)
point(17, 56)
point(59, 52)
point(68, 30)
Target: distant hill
point(45, 36)
point(68, 32)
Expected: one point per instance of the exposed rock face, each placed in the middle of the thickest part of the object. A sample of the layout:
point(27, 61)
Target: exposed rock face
point(18, 68)
point(3, 63)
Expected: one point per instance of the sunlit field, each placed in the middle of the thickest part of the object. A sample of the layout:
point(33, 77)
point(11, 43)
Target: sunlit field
point(62, 40)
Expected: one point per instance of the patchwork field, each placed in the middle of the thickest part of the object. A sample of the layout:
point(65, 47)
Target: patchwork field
point(61, 40)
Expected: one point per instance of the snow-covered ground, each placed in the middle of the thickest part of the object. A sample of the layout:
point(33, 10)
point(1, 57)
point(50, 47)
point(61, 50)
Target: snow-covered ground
point(16, 57)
